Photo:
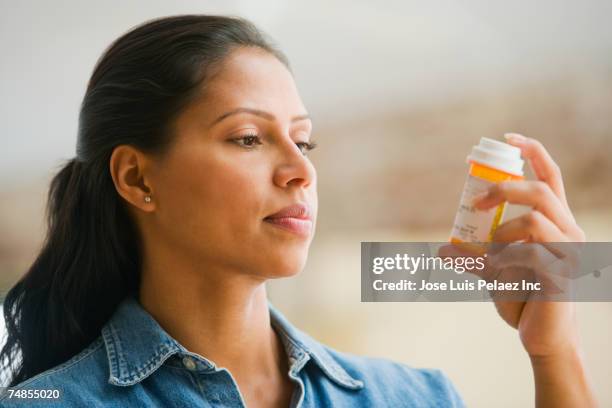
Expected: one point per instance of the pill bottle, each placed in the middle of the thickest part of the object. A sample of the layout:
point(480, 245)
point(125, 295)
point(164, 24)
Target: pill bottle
point(491, 162)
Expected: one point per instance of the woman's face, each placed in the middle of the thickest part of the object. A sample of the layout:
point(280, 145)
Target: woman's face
point(238, 157)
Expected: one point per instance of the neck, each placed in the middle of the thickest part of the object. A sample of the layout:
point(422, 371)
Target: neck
point(219, 314)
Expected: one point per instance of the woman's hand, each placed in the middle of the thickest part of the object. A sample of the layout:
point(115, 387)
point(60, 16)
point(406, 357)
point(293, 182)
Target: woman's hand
point(545, 328)
point(548, 330)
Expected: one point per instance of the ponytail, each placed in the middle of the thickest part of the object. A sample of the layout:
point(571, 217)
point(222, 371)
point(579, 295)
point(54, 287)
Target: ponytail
point(88, 264)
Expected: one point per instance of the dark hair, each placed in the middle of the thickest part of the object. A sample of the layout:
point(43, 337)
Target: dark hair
point(90, 259)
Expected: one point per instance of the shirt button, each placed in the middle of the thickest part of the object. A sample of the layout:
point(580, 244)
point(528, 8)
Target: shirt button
point(189, 363)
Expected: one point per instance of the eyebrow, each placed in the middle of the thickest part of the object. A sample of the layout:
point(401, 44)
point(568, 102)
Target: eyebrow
point(256, 112)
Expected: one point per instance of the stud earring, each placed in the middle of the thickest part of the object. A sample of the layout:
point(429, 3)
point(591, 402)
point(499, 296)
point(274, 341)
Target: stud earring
point(147, 199)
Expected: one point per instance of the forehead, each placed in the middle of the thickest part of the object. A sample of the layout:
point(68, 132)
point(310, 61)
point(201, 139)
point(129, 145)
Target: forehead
point(253, 78)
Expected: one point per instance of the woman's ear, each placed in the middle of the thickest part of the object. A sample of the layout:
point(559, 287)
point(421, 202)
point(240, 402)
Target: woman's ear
point(128, 169)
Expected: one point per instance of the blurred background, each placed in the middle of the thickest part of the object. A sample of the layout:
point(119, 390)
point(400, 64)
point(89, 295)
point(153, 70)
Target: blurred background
point(399, 92)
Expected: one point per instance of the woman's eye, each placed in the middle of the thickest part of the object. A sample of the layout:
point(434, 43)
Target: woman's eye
point(248, 140)
point(306, 146)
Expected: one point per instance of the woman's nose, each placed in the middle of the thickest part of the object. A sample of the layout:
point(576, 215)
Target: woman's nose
point(293, 168)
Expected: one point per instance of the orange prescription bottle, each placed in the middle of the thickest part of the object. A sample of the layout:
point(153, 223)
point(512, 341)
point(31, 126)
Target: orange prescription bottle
point(490, 162)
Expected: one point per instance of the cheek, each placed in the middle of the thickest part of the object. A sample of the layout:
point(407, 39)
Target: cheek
point(214, 199)
point(234, 192)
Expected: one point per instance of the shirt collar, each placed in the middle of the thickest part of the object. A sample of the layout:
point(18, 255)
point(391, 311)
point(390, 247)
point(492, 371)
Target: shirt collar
point(137, 346)
point(300, 347)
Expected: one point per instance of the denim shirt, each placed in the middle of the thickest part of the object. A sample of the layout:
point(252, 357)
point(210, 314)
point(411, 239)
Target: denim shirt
point(135, 363)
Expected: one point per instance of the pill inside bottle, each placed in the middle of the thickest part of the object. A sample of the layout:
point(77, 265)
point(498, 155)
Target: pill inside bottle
point(490, 162)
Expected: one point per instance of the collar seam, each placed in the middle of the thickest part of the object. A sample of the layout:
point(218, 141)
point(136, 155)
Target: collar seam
point(146, 369)
point(296, 343)
point(111, 354)
point(119, 374)
point(332, 368)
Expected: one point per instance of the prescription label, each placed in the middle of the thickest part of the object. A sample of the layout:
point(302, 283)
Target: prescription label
point(472, 225)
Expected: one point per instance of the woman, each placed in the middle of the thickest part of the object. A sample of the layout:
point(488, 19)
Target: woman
point(191, 187)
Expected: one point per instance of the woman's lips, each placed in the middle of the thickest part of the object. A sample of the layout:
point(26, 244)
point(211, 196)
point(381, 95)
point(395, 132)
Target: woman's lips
point(299, 226)
point(295, 218)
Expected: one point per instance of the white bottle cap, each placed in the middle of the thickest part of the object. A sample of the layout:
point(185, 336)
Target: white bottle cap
point(499, 155)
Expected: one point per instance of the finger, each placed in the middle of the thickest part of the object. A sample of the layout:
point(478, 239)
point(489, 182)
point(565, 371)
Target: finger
point(530, 227)
point(567, 250)
point(535, 262)
point(549, 286)
point(525, 255)
point(561, 259)
point(535, 194)
point(542, 164)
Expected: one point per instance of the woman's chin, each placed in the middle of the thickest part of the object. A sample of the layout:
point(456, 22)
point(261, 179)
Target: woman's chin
point(289, 265)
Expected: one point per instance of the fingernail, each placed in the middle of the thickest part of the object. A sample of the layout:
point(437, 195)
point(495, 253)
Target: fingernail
point(515, 137)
